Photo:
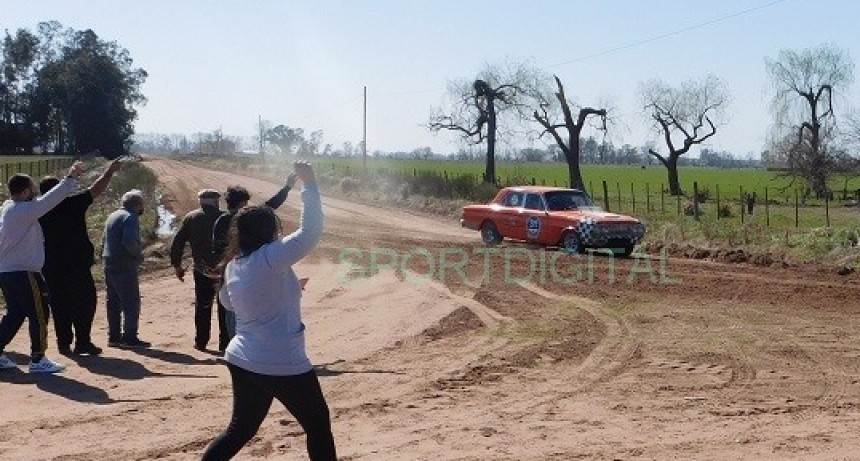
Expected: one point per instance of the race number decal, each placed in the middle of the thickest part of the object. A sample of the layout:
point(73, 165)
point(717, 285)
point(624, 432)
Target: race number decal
point(533, 227)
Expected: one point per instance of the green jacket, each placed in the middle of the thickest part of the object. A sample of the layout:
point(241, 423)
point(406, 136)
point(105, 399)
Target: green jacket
point(196, 229)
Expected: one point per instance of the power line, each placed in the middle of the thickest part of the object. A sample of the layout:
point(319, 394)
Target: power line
point(666, 35)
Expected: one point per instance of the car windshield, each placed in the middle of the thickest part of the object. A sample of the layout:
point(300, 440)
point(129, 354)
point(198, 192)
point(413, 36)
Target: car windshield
point(568, 200)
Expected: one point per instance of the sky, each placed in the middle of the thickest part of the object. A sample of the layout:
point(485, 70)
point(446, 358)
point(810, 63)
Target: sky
point(221, 64)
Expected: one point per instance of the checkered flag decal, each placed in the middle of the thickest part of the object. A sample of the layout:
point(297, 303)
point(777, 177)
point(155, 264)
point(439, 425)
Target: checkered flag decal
point(586, 230)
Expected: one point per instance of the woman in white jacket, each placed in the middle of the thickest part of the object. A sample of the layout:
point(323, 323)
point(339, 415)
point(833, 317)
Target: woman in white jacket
point(266, 357)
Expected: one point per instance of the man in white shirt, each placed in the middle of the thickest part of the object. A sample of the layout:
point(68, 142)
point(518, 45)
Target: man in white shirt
point(22, 255)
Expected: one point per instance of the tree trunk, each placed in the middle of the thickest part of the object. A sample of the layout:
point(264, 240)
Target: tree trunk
point(672, 170)
point(490, 171)
point(573, 169)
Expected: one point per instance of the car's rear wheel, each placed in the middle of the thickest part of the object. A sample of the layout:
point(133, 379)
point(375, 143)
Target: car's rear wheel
point(490, 234)
point(571, 243)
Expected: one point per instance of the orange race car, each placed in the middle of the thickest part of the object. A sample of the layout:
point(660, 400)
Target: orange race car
point(552, 216)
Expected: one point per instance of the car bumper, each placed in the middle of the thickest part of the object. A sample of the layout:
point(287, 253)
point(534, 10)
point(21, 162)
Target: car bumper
point(613, 239)
point(470, 224)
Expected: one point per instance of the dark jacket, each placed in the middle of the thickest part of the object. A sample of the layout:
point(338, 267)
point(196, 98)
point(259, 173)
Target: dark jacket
point(221, 230)
point(196, 229)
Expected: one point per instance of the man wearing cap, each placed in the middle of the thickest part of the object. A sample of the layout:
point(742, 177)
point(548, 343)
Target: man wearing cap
point(196, 229)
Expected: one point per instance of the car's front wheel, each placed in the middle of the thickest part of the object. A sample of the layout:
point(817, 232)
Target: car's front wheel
point(628, 250)
point(571, 242)
point(490, 234)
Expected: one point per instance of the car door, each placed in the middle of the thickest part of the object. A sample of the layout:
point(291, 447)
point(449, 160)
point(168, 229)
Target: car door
point(534, 218)
point(510, 217)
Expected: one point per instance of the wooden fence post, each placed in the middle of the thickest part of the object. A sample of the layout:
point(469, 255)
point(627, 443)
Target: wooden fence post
point(827, 206)
point(618, 191)
point(718, 200)
point(606, 196)
point(766, 209)
point(633, 197)
point(679, 204)
point(647, 198)
point(796, 210)
point(696, 200)
point(662, 199)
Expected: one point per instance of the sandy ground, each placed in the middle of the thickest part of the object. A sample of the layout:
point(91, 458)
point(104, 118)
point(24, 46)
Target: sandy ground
point(493, 359)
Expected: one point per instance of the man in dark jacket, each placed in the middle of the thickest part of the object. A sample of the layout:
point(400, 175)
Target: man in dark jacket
point(68, 263)
point(236, 198)
point(196, 229)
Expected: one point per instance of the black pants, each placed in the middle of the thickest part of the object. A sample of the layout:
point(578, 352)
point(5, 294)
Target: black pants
point(252, 396)
point(73, 303)
point(204, 297)
point(26, 298)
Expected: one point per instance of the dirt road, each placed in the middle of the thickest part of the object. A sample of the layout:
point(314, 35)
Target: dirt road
point(431, 348)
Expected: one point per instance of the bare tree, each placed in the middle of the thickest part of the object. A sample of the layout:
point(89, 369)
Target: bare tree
point(851, 131)
point(806, 84)
point(477, 108)
point(548, 115)
point(684, 116)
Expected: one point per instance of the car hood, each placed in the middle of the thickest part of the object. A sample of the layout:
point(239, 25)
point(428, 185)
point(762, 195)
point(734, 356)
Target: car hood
point(597, 215)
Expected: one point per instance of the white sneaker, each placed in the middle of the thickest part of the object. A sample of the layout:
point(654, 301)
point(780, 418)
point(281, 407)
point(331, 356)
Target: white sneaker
point(7, 363)
point(46, 365)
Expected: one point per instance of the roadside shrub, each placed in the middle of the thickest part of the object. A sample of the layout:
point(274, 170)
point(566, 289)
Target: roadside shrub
point(484, 192)
point(704, 195)
point(431, 185)
point(690, 209)
point(464, 185)
point(725, 211)
point(348, 185)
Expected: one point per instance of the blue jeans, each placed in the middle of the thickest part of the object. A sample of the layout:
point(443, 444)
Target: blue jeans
point(123, 304)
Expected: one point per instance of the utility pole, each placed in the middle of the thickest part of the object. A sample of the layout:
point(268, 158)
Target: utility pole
point(364, 136)
point(260, 127)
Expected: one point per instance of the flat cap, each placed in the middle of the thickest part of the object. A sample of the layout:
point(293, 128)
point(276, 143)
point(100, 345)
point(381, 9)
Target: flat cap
point(208, 193)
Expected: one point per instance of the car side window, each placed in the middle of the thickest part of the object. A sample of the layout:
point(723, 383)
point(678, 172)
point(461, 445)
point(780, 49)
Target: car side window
point(533, 202)
point(514, 199)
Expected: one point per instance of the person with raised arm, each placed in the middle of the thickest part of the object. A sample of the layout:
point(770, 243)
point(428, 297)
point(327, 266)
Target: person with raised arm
point(22, 255)
point(267, 358)
point(68, 264)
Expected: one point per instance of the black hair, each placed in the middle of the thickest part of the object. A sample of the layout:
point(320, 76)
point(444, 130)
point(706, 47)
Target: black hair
point(250, 229)
point(18, 183)
point(236, 195)
point(47, 183)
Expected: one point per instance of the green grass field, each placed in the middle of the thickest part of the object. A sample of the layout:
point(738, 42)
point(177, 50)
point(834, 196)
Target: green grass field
point(33, 165)
point(652, 178)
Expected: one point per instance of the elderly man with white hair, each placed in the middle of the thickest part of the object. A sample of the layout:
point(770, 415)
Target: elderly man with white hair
point(122, 253)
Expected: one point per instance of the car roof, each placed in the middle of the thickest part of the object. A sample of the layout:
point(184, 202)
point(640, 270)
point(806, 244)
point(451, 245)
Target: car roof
point(539, 189)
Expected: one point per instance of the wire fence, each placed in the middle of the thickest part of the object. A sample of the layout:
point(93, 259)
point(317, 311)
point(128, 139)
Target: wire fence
point(770, 206)
point(36, 167)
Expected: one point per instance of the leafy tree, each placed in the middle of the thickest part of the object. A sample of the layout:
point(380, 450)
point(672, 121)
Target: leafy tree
point(84, 99)
point(806, 86)
point(288, 140)
point(19, 52)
